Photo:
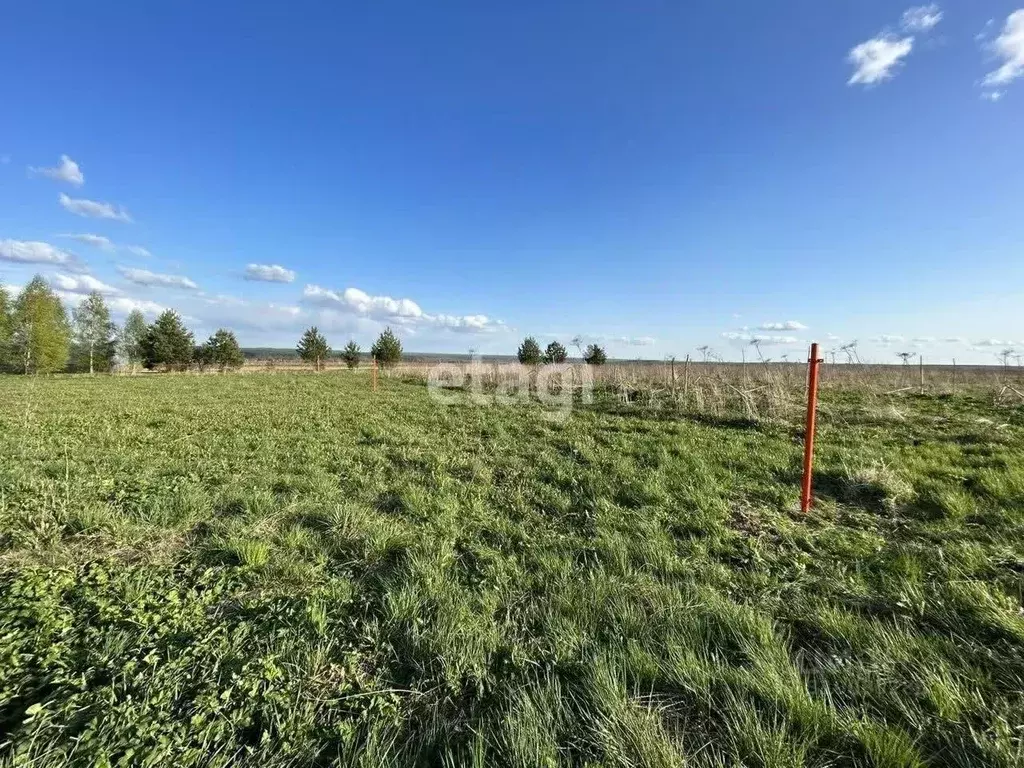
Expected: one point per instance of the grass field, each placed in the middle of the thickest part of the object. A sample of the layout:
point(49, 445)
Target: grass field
point(290, 570)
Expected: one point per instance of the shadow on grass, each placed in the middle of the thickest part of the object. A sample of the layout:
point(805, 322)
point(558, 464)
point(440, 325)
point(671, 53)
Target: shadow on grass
point(870, 497)
point(668, 413)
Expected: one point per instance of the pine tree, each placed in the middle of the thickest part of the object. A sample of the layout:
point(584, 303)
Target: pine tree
point(555, 353)
point(41, 333)
point(222, 350)
point(387, 349)
point(351, 354)
point(132, 344)
point(313, 348)
point(168, 343)
point(595, 355)
point(529, 351)
point(94, 331)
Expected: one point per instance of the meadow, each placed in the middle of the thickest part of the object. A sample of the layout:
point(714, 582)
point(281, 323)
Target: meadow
point(288, 569)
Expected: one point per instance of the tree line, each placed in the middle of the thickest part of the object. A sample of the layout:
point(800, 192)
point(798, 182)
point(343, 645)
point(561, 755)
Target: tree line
point(38, 335)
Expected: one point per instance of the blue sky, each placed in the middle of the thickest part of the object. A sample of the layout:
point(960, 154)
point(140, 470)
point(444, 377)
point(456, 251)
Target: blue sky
point(657, 176)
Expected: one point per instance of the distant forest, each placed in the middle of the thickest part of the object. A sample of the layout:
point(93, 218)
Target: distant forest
point(285, 353)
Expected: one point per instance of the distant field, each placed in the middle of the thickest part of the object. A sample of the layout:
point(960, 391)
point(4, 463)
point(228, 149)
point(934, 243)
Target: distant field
point(292, 570)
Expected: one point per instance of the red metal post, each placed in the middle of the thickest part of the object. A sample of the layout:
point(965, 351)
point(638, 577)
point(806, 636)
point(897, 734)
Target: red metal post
point(812, 415)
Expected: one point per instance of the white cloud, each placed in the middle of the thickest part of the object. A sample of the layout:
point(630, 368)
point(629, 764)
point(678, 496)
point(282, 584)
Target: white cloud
point(921, 18)
point(98, 241)
point(269, 273)
point(381, 306)
point(138, 250)
point(953, 340)
point(775, 340)
point(359, 302)
point(924, 340)
point(81, 284)
point(789, 325)
point(119, 305)
point(93, 209)
point(67, 170)
point(1009, 48)
point(466, 324)
point(145, 277)
point(876, 60)
point(762, 339)
point(404, 312)
point(34, 252)
point(123, 305)
point(887, 338)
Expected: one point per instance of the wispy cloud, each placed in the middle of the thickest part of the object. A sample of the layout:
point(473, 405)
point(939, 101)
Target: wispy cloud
point(888, 338)
point(67, 170)
point(269, 273)
point(788, 325)
point(921, 18)
point(106, 244)
point(625, 341)
point(231, 311)
point(1009, 49)
point(145, 277)
point(587, 338)
point(635, 341)
point(629, 341)
point(93, 209)
point(981, 36)
point(994, 343)
point(97, 241)
point(34, 252)
point(876, 60)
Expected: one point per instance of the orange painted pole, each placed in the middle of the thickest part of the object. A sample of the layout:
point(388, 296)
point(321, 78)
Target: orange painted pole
point(812, 416)
point(374, 374)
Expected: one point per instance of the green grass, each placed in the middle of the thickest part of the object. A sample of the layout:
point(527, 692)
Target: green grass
point(289, 570)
